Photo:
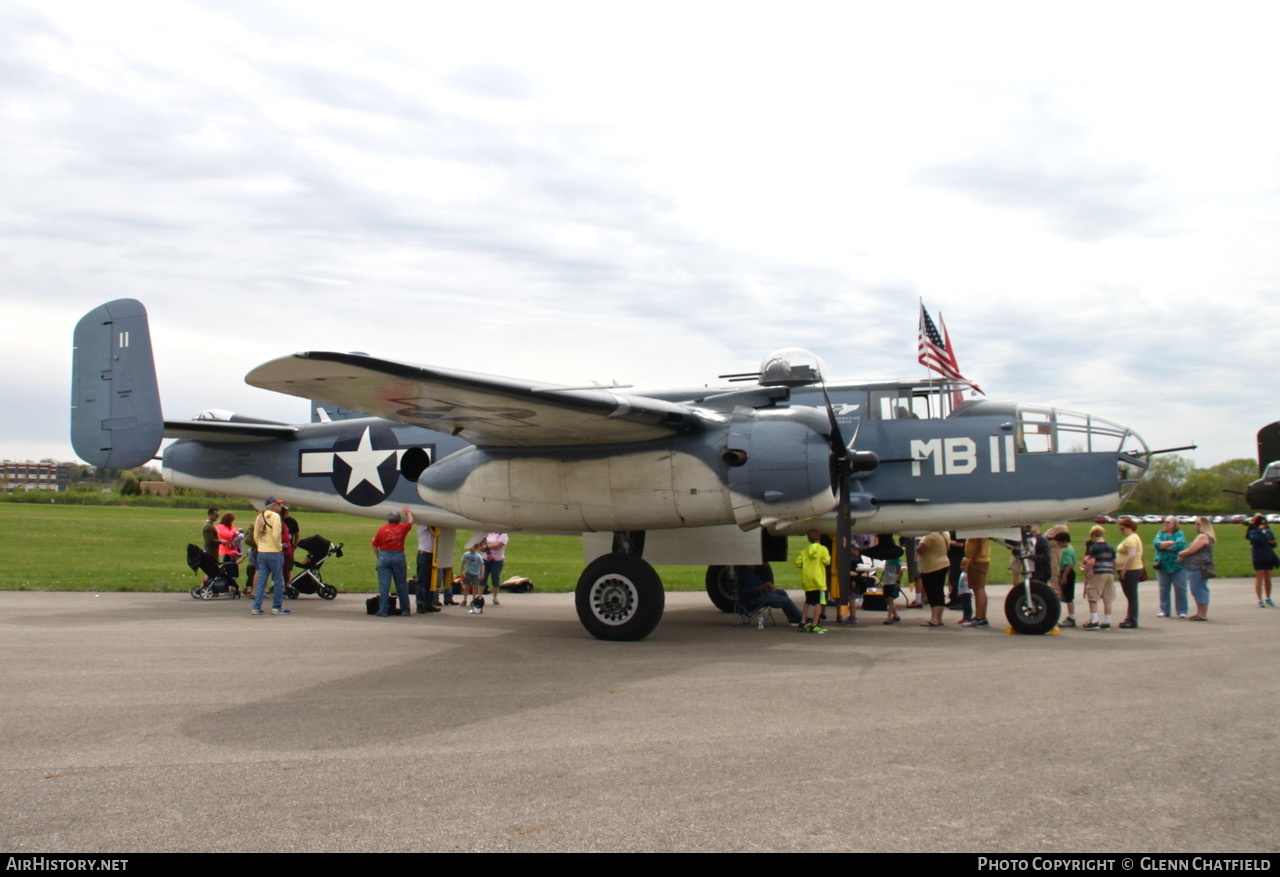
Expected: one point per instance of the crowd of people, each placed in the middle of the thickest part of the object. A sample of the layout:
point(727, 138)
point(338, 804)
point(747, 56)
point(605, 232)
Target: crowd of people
point(266, 549)
point(945, 572)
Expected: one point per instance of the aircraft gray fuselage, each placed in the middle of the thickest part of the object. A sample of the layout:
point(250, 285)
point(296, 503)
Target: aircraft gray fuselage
point(971, 470)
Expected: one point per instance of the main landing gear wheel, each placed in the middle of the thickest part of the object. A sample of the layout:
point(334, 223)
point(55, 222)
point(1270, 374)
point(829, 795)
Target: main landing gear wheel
point(327, 592)
point(721, 588)
point(619, 597)
point(1036, 614)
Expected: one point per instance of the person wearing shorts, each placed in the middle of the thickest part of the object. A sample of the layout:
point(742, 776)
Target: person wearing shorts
point(814, 560)
point(1100, 562)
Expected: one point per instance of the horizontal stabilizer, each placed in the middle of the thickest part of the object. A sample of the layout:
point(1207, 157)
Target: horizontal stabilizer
point(223, 431)
point(115, 402)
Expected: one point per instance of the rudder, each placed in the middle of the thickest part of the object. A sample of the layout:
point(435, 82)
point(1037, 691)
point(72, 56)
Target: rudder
point(115, 401)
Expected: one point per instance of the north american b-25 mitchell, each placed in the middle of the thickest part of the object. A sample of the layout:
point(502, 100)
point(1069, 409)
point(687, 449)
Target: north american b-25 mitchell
point(714, 475)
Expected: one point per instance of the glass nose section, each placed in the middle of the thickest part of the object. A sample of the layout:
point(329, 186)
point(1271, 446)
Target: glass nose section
point(1055, 431)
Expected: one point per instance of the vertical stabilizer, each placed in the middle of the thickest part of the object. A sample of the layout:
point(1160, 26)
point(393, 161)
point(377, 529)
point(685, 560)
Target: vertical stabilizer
point(323, 412)
point(1268, 446)
point(115, 402)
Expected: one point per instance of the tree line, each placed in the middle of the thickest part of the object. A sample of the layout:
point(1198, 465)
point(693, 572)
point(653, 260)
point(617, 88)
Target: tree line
point(1173, 485)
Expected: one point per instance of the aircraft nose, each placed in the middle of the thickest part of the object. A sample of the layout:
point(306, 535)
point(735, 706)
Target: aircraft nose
point(1134, 458)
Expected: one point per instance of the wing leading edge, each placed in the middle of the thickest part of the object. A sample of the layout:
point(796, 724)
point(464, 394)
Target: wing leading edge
point(486, 410)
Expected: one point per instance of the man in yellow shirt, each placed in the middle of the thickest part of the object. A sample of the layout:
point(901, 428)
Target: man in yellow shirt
point(266, 534)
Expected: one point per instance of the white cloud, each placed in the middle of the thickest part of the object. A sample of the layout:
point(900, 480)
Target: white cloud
point(654, 192)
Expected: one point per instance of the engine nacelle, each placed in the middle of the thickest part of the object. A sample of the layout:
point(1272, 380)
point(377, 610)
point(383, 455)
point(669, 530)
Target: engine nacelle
point(651, 489)
point(765, 466)
point(785, 468)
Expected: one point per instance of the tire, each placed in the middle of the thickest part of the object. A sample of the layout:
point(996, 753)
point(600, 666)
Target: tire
point(721, 589)
point(206, 592)
point(619, 597)
point(1039, 615)
point(291, 592)
point(327, 592)
point(195, 592)
point(234, 590)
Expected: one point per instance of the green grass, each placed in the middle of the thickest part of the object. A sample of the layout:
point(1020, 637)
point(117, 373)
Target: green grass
point(130, 548)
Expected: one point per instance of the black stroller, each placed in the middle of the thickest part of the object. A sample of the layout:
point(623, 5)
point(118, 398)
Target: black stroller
point(306, 578)
point(217, 582)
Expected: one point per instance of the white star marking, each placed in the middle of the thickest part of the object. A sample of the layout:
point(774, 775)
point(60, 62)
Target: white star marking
point(364, 462)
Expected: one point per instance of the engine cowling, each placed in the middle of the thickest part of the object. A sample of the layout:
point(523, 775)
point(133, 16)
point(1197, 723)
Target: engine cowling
point(762, 466)
point(779, 466)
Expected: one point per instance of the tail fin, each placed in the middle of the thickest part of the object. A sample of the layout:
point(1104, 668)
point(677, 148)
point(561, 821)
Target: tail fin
point(115, 402)
point(323, 412)
point(1268, 445)
point(1265, 492)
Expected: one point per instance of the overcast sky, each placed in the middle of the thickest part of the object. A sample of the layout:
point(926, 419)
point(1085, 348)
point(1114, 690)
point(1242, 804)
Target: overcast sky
point(653, 192)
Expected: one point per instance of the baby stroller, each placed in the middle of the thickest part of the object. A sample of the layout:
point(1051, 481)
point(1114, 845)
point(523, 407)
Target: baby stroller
point(217, 581)
point(306, 579)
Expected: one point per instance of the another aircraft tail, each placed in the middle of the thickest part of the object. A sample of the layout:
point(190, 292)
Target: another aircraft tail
point(1268, 446)
point(115, 400)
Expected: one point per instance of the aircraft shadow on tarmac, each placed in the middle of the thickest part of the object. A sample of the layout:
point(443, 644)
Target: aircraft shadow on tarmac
point(461, 679)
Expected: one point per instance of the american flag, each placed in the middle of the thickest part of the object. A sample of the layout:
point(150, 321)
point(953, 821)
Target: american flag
point(936, 351)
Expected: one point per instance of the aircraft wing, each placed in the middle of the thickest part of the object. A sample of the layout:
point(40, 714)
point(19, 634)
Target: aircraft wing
point(485, 410)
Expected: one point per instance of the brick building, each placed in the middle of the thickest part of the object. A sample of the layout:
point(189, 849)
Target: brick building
point(34, 476)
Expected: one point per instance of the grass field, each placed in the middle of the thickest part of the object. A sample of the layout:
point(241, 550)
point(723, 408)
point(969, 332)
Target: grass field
point(123, 548)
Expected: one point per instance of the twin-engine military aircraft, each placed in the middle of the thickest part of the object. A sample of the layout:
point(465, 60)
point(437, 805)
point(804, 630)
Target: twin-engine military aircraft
point(716, 476)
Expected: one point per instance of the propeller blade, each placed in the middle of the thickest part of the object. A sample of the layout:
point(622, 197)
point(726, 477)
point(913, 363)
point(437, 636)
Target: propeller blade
point(842, 476)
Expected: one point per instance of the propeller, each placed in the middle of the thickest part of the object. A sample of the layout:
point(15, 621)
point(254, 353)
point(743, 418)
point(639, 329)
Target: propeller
point(793, 367)
point(844, 465)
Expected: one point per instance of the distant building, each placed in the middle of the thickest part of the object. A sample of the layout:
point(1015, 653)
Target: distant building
point(34, 476)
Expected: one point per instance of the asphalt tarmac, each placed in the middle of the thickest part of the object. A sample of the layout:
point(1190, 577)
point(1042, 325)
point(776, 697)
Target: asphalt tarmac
point(153, 722)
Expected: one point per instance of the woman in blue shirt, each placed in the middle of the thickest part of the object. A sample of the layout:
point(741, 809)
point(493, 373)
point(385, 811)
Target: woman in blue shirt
point(1168, 542)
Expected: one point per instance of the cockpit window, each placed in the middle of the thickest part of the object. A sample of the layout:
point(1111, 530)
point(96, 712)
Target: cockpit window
point(919, 402)
point(1036, 431)
point(1054, 431)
